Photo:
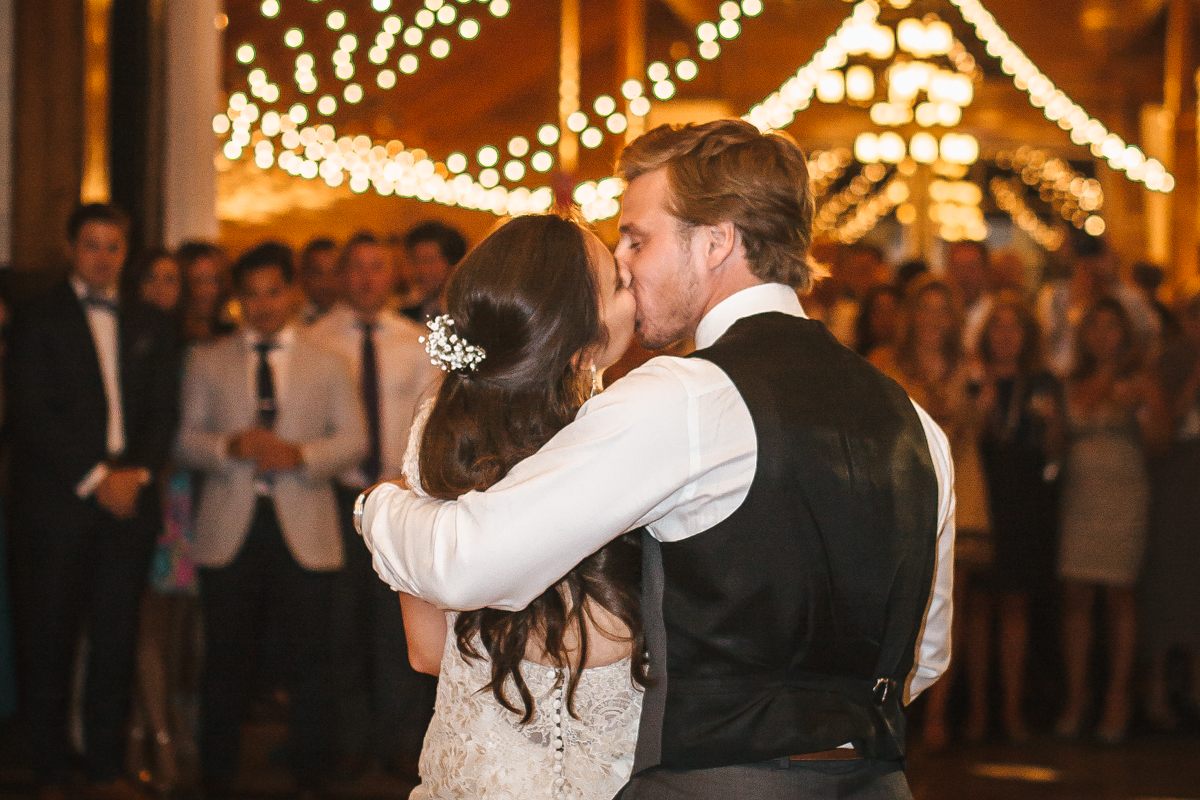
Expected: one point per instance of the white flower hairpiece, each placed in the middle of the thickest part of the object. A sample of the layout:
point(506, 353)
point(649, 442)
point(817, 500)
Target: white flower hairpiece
point(447, 349)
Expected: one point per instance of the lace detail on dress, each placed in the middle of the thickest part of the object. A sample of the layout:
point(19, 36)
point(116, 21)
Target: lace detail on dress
point(477, 748)
point(411, 468)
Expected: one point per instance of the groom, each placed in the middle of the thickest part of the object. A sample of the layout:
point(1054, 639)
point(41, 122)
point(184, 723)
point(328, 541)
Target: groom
point(797, 569)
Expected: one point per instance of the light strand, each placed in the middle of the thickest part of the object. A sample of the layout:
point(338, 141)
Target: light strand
point(311, 160)
point(1085, 130)
point(1008, 198)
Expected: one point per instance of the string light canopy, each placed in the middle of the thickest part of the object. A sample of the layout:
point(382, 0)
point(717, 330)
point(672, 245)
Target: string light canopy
point(861, 34)
point(915, 88)
point(503, 177)
point(303, 139)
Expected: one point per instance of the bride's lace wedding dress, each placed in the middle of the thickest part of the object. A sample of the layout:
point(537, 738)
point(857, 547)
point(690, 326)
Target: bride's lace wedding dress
point(476, 748)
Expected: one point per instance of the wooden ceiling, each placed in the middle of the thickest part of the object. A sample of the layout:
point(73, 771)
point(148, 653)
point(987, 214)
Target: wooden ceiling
point(1106, 54)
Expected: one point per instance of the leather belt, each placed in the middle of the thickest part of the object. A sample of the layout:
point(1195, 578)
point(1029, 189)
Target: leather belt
point(836, 754)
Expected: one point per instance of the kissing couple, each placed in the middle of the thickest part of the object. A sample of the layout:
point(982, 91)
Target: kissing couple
point(723, 577)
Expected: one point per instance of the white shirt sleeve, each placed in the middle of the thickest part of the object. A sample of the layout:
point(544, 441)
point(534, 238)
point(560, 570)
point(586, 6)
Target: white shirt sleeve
point(933, 646)
point(670, 446)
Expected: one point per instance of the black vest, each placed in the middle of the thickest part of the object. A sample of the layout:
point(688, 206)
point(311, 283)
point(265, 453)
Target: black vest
point(791, 627)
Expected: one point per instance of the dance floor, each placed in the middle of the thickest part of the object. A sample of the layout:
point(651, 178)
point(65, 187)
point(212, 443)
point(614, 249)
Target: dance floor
point(1147, 767)
point(1143, 768)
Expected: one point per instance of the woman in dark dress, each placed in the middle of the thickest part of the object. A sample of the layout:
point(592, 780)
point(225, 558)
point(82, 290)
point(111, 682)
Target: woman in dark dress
point(1022, 439)
point(1170, 591)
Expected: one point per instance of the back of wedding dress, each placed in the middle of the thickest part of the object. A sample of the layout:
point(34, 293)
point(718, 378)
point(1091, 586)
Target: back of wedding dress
point(477, 748)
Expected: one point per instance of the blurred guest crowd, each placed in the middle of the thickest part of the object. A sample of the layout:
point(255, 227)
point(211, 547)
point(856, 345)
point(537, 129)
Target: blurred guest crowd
point(1072, 406)
point(187, 437)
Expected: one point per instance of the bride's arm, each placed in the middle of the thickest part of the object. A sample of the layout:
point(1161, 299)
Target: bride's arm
point(425, 631)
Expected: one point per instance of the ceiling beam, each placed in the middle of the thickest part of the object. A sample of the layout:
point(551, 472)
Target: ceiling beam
point(691, 12)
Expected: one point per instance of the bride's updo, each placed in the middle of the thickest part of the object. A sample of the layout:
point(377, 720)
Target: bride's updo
point(528, 296)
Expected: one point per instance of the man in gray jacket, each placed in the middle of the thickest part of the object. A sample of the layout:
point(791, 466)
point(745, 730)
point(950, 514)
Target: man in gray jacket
point(269, 418)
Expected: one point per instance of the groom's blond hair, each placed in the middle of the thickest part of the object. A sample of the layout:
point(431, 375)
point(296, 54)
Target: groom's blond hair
point(728, 170)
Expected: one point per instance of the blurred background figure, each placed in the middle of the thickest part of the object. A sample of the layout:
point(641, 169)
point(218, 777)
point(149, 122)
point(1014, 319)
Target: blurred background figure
point(928, 362)
point(384, 704)
point(878, 319)
point(1023, 438)
point(155, 278)
point(1115, 413)
point(320, 279)
point(859, 267)
point(269, 418)
point(8, 654)
point(1148, 279)
point(405, 293)
point(162, 731)
point(205, 291)
point(433, 249)
point(92, 384)
point(1063, 302)
point(1170, 590)
point(969, 269)
point(908, 271)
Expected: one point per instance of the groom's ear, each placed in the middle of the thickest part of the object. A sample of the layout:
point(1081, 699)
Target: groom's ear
point(722, 240)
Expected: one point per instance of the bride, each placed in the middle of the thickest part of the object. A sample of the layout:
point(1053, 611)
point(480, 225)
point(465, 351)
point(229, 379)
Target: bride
point(542, 702)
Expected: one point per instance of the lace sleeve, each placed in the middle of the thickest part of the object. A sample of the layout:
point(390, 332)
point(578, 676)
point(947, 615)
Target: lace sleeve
point(411, 469)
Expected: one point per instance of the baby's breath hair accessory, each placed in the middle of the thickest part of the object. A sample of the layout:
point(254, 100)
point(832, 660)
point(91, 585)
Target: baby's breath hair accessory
point(447, 349)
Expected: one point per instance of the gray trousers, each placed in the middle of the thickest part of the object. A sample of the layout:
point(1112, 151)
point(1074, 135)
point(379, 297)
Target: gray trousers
point(801, 780)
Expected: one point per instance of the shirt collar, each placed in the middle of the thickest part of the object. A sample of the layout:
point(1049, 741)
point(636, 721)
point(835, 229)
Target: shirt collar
point(283, 340)
point(82, 290)
point(759, 299)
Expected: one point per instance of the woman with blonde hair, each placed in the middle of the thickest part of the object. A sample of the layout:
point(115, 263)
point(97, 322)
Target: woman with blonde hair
point(1116, 415)
point(1023, 439)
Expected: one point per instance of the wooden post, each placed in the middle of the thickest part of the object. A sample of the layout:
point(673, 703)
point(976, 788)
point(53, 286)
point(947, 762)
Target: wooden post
point(632, 57)
point(96, 186)
point(47, 129)
point(568, 88)
point(1179, 101)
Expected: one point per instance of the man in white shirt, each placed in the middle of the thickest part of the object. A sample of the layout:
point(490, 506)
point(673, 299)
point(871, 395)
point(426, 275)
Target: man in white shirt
point(433, 249)
point(800, 508)
point(320, 278)
point(969, 267)
point(1063, 303)
point(385, 704)
point(92, 402)
point(269, 418)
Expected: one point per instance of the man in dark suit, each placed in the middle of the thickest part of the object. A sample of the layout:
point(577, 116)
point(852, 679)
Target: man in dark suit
point(92, 393)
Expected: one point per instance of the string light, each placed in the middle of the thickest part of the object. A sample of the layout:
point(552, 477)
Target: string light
point(1058, 107)
point(1076, 197)
point(861, 186)
point(860, 33)
point(825, 167)
point(955, 208)
point(337, 161)
point(1008, 198)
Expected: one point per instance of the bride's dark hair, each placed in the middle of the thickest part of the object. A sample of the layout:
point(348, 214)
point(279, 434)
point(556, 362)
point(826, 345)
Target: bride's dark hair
point(527, 295)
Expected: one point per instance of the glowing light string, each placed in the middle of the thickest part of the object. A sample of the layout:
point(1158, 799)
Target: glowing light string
point(391, 168)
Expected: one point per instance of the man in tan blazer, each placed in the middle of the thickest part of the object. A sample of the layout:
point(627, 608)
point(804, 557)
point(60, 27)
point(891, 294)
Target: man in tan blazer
point(270, 419)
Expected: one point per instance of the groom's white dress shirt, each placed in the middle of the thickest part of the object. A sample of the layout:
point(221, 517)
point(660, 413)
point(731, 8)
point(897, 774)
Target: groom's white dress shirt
point(670, 446)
